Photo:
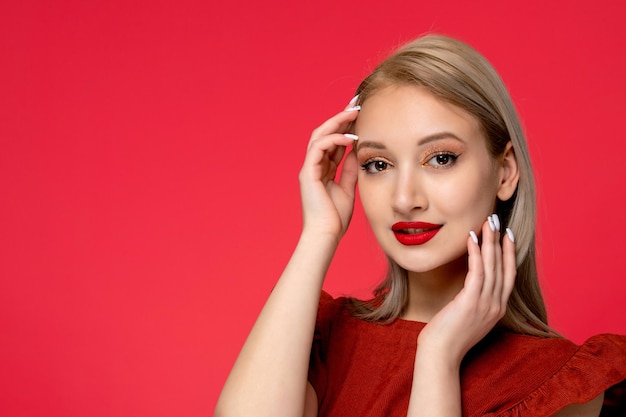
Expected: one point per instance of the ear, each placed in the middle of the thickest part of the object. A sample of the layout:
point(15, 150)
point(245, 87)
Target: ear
point(509, 173)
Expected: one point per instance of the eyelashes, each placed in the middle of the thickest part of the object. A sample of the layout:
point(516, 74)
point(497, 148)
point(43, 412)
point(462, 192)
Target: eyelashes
point(442, 159)
point(436, 160)
point(373, 166)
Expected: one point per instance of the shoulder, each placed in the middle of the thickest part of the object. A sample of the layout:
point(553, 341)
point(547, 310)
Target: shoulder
point(329, 306)
point(336, 318)
point(329, 311)
point(529, 374)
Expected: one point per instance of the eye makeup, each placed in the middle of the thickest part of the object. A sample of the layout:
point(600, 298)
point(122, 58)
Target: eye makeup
point(449, 148)
point(442, 153)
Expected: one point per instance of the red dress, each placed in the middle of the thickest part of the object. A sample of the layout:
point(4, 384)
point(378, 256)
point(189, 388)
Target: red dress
point(365, 369)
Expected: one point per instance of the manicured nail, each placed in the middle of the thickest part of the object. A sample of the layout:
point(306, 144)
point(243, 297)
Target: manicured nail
point(509, 233)
point(474, 237)
point(492, 225)
point(496, 221)
point(353, 101)
point(351, 136)
point(354, 108)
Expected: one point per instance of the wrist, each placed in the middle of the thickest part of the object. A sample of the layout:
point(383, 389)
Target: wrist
point(316, 236)
point(442, 359)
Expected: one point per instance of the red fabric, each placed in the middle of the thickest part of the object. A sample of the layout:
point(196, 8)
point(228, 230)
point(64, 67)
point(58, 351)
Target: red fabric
point(365, 369)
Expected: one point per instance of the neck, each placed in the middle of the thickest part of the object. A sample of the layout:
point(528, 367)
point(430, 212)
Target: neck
point(431, 291)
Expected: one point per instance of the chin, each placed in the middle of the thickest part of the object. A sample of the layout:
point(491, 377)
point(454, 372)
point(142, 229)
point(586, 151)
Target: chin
point(425, 263)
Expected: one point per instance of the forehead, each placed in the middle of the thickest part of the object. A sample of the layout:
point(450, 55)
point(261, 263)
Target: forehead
point(412, 112)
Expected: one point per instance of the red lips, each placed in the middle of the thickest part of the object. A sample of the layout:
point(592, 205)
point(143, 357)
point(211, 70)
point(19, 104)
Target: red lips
point(415, 233)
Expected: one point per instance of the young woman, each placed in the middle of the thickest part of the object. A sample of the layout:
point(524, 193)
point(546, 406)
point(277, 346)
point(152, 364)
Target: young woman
point(459, 326)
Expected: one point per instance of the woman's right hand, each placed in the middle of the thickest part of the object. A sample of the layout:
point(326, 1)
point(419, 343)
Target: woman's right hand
point(327, 204)
point(270, 374)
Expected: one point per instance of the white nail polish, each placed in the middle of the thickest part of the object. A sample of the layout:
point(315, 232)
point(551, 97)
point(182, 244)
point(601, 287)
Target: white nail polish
point(509, 233)
point(496, 221)
point(354, 108)
point(492, 225)
point(474, 237)
point(351, 136)
point(353, 101)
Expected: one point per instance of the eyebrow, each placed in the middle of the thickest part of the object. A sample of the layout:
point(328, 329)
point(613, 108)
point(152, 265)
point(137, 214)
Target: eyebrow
point(422, 141)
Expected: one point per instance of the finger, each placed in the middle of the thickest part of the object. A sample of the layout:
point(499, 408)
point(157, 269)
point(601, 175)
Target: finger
point(327, 146)
point(489, 259)
point(337, 155)
point(321, 151)
point(475, 273)
point(499, 277)
point(353, 103)
point(336, 124)
point(509, 265)
point(349, 172)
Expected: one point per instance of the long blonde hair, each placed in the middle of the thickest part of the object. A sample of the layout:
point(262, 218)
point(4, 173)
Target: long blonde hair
point(456, 73)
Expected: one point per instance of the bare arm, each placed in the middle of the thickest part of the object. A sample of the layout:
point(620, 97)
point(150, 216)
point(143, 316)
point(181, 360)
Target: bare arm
point(271, 370)
point(269, 377)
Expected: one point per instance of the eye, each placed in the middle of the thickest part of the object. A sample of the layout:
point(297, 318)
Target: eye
point(442, 160)
point(372, 167)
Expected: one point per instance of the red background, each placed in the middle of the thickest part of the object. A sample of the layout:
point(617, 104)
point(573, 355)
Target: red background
point(148, 161)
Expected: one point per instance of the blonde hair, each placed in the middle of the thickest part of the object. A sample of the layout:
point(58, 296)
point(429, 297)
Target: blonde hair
point(456, 73)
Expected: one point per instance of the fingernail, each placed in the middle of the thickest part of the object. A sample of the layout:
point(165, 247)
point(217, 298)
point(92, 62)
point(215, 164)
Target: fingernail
point(353, 101)
point(509, 233)
point(496, 221)
point(492, 225)
point(474, 237)
point(354, 108)
point(351, 136)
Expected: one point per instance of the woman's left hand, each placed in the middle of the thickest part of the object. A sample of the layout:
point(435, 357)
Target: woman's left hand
point(481, 303)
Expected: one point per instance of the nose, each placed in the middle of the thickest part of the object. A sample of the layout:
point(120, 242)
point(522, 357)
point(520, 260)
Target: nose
point(408, 194)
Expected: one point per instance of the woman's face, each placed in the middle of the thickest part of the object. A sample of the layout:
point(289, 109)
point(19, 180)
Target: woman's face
point(426, 176)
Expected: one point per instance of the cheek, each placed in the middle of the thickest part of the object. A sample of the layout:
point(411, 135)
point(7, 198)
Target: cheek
point(472, 195)
point(372, 201)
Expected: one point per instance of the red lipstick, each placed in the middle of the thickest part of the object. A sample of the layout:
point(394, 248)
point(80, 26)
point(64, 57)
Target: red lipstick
point(415, 233)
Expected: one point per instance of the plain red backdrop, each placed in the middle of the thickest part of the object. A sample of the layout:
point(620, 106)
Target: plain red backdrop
point(148, 177)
